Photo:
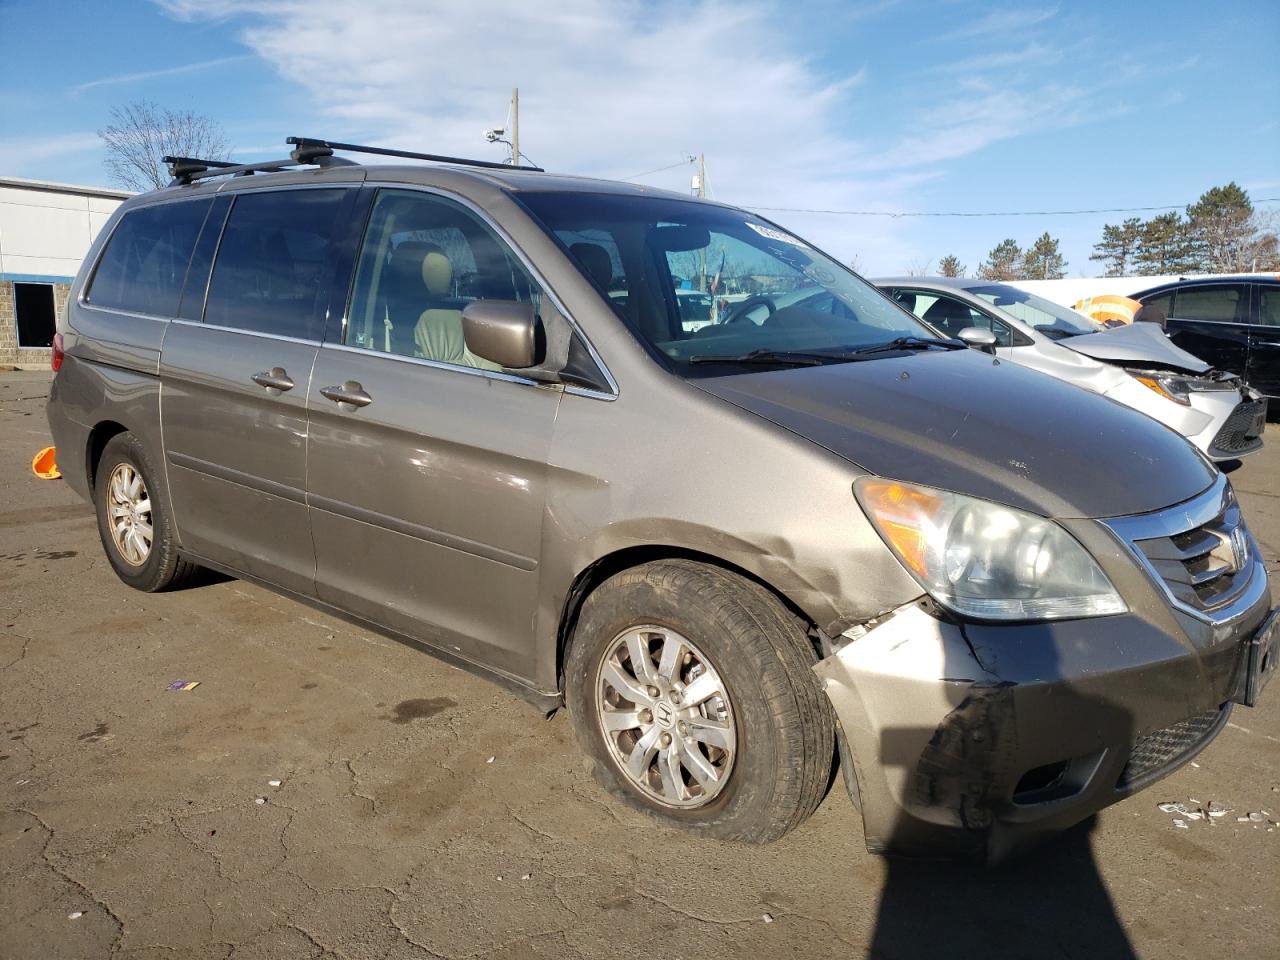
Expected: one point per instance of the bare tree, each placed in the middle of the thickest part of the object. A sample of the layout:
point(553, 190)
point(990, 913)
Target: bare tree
point(919, 268)
point(140, 133)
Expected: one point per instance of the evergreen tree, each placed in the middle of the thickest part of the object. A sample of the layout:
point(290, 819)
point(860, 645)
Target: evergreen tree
point(950, 266)
point(1042, 260)
point(1118, 246)
point(1222, 226)
point(1165, 246)
point(1004, 262)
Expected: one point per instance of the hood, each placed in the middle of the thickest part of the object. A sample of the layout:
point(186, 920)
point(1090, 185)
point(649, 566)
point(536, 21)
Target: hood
point(964, 422)
point(1135, 344)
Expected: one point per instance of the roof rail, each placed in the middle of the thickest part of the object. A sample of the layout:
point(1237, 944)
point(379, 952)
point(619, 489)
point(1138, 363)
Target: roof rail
point(185, 170)
point(305, 144)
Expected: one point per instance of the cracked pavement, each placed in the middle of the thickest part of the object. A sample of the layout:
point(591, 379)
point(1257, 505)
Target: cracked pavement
point(391, 836)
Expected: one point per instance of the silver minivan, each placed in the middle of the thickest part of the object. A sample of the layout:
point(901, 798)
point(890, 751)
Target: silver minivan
point(470, 407)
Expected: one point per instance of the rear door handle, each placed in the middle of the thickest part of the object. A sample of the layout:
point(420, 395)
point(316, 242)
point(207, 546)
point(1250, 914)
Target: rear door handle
point(275, 380)
point(350, 393)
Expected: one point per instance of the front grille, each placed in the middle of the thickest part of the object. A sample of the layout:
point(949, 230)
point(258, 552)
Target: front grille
point(1161, 748)
point(1242, 432)
point(1205, 566)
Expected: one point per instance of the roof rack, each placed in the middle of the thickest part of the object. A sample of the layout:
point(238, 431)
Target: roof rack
point(308, 143)
point(306, 151)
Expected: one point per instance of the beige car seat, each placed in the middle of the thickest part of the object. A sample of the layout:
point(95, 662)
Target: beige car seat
point(439, 331)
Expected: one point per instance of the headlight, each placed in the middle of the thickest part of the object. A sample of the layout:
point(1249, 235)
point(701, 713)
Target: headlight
point(1178, 388)
point(985, 560)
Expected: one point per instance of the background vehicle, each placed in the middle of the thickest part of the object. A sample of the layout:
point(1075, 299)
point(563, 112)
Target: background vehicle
point(404, 394)
point(1136, 364)
point(1232, 323)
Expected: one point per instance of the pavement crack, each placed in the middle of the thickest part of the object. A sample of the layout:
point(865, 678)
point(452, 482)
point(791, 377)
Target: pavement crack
point(26, 645)
point(61, 872)
point(355, 789)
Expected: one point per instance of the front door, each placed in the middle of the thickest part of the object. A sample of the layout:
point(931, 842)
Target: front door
point(1209, 320)
point(427, 464)
point(234, 386)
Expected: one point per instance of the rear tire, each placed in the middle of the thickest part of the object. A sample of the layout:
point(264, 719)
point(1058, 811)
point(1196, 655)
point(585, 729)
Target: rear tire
point(764, 743)
point(136, 531)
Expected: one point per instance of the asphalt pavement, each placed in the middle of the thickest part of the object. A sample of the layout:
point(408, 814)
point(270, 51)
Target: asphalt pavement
point(328, 792)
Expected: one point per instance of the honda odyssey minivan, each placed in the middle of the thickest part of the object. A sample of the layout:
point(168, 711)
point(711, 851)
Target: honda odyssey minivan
point(460, 404)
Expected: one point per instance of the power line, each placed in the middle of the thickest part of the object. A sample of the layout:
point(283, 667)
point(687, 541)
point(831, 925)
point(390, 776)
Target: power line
point(1009, 213)
point(672, 166)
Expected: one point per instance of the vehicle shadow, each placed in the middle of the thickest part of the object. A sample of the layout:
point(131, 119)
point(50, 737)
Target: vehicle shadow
point(1047, 898)
point(1051, 901)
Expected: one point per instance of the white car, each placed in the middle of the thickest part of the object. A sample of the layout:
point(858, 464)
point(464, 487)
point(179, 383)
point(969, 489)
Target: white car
point(1137, 365)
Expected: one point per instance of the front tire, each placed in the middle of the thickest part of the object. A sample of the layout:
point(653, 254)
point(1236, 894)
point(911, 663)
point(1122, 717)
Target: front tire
point(136, 532)
point(692, 691)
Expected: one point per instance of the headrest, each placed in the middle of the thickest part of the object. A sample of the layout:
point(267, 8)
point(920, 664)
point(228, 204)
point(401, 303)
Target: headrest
point(437, 273)
point(420, 261)
point(595, 259)
point(944, 309)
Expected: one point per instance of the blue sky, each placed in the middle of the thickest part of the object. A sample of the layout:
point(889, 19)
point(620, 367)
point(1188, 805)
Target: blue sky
point(888, 106)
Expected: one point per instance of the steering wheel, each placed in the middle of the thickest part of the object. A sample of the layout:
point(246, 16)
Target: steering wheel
point(740, 311)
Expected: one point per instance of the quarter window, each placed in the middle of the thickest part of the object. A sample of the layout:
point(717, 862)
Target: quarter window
point(1221, 303)
point(1269, 306)
point(423, 260)
point(269, 273)
point(145, 262)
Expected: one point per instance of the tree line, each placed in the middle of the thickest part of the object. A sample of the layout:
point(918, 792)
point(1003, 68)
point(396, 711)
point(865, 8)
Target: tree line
point(1222, 232)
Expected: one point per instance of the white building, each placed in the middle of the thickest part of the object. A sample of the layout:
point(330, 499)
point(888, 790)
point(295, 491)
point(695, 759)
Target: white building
point(45, 231)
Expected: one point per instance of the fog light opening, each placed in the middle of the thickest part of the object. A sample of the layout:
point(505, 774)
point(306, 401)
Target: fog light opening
point(1041, 783)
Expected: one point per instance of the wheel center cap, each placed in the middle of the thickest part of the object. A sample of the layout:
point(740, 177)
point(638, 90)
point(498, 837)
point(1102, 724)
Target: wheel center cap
point(664, 714)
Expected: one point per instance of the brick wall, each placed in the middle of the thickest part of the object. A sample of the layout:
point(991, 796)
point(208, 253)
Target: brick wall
point(29, 357)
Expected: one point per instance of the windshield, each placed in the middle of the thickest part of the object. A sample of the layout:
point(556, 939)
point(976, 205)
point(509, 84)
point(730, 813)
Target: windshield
point(1043, 315)
point(696, 281)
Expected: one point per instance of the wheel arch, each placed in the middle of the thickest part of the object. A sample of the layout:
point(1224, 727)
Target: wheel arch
point(101, 434)
point(611, 564)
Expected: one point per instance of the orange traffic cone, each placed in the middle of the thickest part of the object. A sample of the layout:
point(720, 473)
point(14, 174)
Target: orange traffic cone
point(45, 465)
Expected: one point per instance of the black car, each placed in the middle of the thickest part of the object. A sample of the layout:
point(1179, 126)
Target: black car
point(1232, 323)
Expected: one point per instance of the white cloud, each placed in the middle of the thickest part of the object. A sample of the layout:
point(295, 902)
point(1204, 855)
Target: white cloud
point(153, 74)
point(606, 89)
point(613, 88)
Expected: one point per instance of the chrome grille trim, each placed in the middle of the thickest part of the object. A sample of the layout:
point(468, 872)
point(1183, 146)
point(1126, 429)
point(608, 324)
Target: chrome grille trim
point(1199, 553)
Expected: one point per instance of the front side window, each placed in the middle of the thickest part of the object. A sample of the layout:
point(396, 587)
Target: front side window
point(269, 273)
point(697, 282)
point(950, 316)
point(424, 258)
point(145, 261)
point(1220, 303)
point(1044, 316)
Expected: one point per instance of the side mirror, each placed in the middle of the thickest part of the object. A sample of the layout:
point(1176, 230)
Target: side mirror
point(503, 331)
point(975, 337)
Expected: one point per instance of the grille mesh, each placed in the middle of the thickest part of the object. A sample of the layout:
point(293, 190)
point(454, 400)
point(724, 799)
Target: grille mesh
point(1161, 748)
point(1243, 430)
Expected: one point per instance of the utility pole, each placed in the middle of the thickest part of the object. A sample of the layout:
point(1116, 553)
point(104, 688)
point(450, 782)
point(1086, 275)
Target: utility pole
point(700, 181)
point(515, 126)
point(702, 254)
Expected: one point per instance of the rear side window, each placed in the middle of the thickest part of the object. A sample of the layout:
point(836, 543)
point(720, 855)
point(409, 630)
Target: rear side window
point(269, 274)
point(146, 258)
point(1223, 303)
point(1269, 306)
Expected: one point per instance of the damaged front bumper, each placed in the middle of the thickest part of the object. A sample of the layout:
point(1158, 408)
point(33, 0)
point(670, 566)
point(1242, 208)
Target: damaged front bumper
point(975, 740)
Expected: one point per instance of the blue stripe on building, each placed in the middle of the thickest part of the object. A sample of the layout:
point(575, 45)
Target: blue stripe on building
point(33, 278)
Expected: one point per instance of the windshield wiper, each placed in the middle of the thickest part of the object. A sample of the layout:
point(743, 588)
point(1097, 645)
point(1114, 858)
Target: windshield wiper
point(769, 357)
point(910, 343)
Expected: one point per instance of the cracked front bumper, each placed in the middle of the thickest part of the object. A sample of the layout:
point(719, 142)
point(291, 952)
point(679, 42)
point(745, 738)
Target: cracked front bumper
point(975, 740)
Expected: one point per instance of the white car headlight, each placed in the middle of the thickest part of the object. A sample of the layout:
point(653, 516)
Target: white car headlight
point(1178, 388)
point(985, 560)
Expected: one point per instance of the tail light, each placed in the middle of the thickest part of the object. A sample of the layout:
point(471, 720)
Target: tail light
point(56, 353)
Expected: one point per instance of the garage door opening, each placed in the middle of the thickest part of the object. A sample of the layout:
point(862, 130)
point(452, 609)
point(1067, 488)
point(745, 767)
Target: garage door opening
point(33, 304)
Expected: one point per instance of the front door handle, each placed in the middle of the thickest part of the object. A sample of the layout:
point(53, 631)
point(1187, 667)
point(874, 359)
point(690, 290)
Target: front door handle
point(275, 380)
point(349, 395)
